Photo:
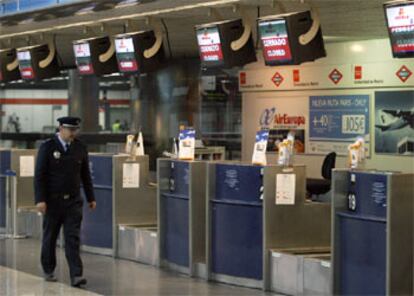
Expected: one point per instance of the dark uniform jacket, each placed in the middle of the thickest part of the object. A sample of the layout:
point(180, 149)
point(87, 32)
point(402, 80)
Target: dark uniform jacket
point(61, 173)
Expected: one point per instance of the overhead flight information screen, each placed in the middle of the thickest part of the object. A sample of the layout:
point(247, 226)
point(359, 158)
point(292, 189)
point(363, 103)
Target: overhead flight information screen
point(400, 19)
point(275, 41)
point(83, 58)
point(209, 45)
point(25, 64)
point(125, 54)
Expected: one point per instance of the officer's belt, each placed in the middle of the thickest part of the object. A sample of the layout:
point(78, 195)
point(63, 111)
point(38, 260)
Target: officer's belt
point(61, 195)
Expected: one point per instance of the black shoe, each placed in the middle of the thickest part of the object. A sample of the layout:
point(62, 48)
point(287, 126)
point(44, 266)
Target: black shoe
point(78, 281)
point(50, 277)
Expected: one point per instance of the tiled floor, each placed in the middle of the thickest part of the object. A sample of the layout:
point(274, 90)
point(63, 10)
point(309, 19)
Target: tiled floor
point(13, 282)
point(105, 275)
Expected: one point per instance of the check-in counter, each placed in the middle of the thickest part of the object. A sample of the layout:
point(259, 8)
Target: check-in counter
point(17, 192)
point(181, 215)
point(235, 224)
point(125, 203)
point(247, 230)
point(372, 233)
point(135, 210)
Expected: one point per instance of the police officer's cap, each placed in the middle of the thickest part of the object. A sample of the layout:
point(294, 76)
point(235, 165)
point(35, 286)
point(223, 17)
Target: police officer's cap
point(70, 122)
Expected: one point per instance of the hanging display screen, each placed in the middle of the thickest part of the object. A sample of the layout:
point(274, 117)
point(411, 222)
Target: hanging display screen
point(275, 41)
point(125, 54)
point(209, 45)
point(82, 53)
point(400, 19)
point(25, 64)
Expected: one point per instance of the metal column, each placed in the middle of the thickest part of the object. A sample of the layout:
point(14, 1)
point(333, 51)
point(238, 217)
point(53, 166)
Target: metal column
point(84, 100)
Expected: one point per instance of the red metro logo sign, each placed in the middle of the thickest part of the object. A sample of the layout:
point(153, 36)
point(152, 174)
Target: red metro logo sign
point(335, 76)
point(277, 79)
point(404, 73)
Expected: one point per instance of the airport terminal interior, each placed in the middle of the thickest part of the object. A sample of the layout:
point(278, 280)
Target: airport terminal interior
point(235, 147)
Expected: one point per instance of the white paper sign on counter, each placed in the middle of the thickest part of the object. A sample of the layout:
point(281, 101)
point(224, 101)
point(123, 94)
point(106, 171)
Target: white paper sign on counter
point(27, 166)
point(130, 175)
point(285, 189)
point(140, 145)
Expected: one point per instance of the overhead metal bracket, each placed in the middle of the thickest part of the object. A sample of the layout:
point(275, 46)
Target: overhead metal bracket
point(279, 4)
point(106, 56)
point(313, 31)
point(13, 65)
point(247, 24)
point(131, 25)
point(156, 25)
point(52, 50)
point(214, 13)
point(85, 30)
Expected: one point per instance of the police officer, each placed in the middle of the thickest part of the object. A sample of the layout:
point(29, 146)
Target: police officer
point(62, 164)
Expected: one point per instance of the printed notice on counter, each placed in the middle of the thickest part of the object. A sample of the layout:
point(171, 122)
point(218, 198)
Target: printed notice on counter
point(130, 175)
point(285, 189)
point(27, 165)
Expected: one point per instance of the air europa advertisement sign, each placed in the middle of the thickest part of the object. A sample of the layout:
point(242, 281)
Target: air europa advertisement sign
point(282, 120)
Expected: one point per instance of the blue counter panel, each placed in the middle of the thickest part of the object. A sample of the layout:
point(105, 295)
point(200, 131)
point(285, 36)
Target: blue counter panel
point(176, 229)
point(2, 201)
point(101, 169)
point(237, 240)
point(5, 159)
point(97, 225)
point(362, 256)
point(238, 182)
point(371, 194)
point(180, 174)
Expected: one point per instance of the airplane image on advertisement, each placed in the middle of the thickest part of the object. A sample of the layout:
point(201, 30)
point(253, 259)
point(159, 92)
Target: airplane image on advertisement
point(395, 119)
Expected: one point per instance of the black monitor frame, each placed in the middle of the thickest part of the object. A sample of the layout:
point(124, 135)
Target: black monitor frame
point(390, 37)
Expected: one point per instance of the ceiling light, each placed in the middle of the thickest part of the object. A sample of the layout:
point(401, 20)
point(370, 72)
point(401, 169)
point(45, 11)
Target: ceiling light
point(357, 47)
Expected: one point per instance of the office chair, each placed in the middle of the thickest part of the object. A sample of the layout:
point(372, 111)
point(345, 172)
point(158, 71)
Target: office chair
point(322, 186)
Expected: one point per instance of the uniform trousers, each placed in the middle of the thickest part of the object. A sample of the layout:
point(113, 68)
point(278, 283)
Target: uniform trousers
point(67, 213)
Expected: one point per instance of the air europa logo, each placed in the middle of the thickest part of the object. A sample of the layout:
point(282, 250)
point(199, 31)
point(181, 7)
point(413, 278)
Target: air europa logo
point(285, 119)
point(267, 116)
